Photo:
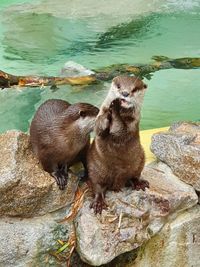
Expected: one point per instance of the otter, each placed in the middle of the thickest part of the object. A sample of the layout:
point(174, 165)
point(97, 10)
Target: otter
point(116, 156)
point(60, 136)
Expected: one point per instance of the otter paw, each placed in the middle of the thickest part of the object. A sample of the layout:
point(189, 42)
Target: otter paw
point(61, 180)
point(140, 184)
point(115, 104)
point(102, 125)
point(98, 205)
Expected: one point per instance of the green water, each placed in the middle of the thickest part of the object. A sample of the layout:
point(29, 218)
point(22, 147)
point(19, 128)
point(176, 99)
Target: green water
point(38, 38)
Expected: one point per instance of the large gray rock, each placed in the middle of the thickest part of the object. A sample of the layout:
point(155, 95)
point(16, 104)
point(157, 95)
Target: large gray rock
point(178, 244)
point(179, 148)
point(28, 242)
point(133, 217)
point(25, 189)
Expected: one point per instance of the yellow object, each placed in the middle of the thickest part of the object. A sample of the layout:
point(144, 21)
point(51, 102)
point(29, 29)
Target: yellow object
point(145, 138)
point(81, 80)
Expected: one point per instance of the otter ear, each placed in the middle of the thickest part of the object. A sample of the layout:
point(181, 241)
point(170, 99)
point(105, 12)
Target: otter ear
point(114, 80)
point(82, 113)
point(116, 83)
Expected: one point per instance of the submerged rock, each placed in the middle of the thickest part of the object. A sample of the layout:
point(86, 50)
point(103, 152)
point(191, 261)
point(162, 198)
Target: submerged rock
point(179, 148)
point(133, 217)
point(25, 189)
point(178, 244)
point(73, 69)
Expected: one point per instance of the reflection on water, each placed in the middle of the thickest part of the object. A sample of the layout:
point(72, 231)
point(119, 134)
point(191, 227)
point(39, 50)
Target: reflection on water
point(136, 31)
point(33, 38)
point(48, 37)
point(173, 95)
point(40, 42)
point(17, 108)
point(39, 37)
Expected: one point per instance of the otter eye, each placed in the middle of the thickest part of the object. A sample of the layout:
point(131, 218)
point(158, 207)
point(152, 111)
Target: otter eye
point(134, 89)
point(145, 86)
point(118, 86)
point(82, 113)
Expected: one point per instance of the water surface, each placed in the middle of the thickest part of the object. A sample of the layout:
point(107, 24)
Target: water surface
point(38, 38)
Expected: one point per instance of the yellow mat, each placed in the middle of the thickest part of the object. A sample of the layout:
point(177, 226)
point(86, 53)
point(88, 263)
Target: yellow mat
point(145, 137)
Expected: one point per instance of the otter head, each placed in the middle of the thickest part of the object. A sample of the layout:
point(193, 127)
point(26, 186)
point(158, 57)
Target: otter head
point(130, 90)
point(85, 116)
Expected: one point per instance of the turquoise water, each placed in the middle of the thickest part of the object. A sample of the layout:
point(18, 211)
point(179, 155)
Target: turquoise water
point(38, 38)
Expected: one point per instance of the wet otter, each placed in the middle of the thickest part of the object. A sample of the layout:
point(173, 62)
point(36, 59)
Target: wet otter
point(116, 155)
point(59, 135)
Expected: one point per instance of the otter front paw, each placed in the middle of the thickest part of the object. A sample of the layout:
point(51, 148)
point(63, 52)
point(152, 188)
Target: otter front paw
point(102, 124)
point(115, 104)
point(61, 179)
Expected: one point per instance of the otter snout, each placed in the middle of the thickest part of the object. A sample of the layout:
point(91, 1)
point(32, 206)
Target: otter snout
point(125, 93)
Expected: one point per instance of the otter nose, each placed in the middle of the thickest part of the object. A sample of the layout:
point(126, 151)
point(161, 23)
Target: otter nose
point(125, 94)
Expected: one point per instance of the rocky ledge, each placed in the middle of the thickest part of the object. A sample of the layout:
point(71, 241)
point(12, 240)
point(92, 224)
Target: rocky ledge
point(25, 189)
point(141, 223)
point(133, 217)
point(179, 148)
point(178, 244)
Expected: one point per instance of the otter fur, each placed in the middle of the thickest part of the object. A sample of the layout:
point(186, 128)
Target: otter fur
point(116, 156)
point(60, 134)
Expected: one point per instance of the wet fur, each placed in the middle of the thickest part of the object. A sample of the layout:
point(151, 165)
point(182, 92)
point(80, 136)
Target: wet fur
point(116, 155)
point(59, 136)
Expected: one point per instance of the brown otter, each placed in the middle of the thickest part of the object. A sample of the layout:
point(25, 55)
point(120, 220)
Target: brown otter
point(116, 155)
point(59, 135)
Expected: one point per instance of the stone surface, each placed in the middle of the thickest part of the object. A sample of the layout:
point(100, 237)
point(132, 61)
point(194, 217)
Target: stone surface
point(29, 241)
point(133, 217)
point(73, 69)
point(130, 224)
point(179, 148)
point(178, 244)
point(25, 189)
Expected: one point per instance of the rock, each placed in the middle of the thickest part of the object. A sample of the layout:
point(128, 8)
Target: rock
point(133, 217)
point(178, 244)
point(179, 148)
point(28, 242)
point(73, 69)
point(25, 189)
